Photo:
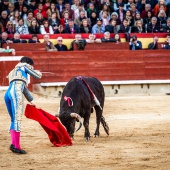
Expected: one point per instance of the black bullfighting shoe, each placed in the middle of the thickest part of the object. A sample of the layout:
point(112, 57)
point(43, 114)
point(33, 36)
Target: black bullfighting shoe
point(12, 147)
point(19, 151)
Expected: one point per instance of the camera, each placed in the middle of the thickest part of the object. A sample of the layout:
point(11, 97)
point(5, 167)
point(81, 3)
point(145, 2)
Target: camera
point(133, 38)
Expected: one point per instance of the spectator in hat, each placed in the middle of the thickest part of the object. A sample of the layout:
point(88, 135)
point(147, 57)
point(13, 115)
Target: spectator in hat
point(114, 16)
point(98, 28)
point(60, 46)
point(71, 27)
point(121, 12)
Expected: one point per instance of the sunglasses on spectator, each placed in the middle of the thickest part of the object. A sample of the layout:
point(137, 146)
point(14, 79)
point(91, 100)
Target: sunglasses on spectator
point(60, 40)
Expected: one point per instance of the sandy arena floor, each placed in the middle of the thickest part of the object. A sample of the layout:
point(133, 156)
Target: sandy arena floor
point(139, 138)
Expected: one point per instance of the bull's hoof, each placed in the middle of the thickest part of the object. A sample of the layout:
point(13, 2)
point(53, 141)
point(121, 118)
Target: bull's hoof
point(87, 139)
point(96, 136)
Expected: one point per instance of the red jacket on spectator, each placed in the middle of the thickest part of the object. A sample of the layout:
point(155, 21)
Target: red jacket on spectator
point(44, 14)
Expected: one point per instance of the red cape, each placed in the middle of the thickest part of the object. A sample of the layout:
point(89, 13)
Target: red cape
point(56, 131)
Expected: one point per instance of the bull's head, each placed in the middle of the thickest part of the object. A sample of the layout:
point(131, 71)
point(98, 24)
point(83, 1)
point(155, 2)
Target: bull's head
point(68, 120)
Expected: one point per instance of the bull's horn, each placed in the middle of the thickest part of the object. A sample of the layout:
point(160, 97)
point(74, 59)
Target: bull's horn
point(75, 115)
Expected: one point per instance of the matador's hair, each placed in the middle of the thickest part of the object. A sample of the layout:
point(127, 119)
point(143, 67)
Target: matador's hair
point(27, 60)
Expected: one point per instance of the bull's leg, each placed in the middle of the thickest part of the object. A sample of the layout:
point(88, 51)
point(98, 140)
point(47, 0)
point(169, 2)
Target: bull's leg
point(98, 119)
point(86, 126)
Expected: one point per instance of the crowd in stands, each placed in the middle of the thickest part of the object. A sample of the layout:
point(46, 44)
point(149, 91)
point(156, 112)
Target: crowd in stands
point(83, 16)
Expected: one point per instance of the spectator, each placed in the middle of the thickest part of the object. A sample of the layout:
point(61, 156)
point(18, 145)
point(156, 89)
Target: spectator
point(54, 21)
point(19, 5)
point(116, 5)
point(60, 46)
point(134, 43)
point(153, 26)
point(166, 46)
point(40, 19)
point(107, 38)
point(4, 5)
point(90, 10)
point(152, 3)
point(60, 7)
point(78, 11)
point(117, 38)
point(133, 10)
point(49, 44)
point(69, 10)
point(153, 45)
point(121, 12)
point(112, 27)
point(34, 27)
point(93, 19)
point(148, 19)
point(34, 39)
point(10, 29)
point(78, 38)
point(78, 21)
point(157, 7)
point(141, 5)
point(11, 8)
point(4, 19)
point(15, 18)
point(166, 28)
point(98, 28)
point(32, 6)
point(114, 16)
point(92, 39)
point(21, 28)
point(105, 8)
point(29, 18)
point(2, 28)
point(137, 18)
point(138, 28)
point(84, 27)
point(162, 19)
point(71, 27)
point(65, 19)
point(4, 38)
point(129, 17)
point(46, 6)
point(51, 10)
point(41, 11)
point(144, 12)
point(124, 28)
point(24, 13)
point(60, 30)
point(105, 18)
point(128, 5)
point(75, 6)
point(17, 39)
point(46, 28)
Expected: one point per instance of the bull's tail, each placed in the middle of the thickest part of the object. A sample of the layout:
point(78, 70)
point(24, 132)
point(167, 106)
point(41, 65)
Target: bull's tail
point(105, 125)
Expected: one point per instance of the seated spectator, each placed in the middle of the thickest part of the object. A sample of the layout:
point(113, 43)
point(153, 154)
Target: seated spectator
point(78, 11)
point(105, 8)
point(29, 18)
point(92, 39)
point(32, 6)
point(68, 10)
point(93, 19)
point(112, 27)
point(105, 18)
point(60, 46)
point(1, 28)
point(138, 28)
point(54, 21)
point(41, 11)
point(166, 28)
point(11, 8)
point(153, 45)
point(124, 28)
point(78, 21)
point(17, 39)
point(46, 28)
point(60, 7)
point(34, 39)
point(137, 18)
point(59, 30)
point(10, 29)
point(65, 19)
point(147, 19)
point(157, 7)
point(114, 16)
point(84, 27)
point(19, 5)
point(75, 5)
point(4, 5)
point(24, 13)
point(53, 9)
point(98, 28)
point(4, 19)
point(129, 18)
point(91, 9)
point(34, 27)
point(21, 28)
point(40, 19)
point(49, 44)
point(166, 46)
point(153, 26)
point(107, 38)
point(71, 28)
point(117, 38)
point(4, 38)
point(121, 12)
point(144, 12)
point(162, 19)
point(78, 39)
point(134, 43)
point(15, 18)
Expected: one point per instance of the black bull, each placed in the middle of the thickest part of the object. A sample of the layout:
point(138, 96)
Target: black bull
point(77, 102)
